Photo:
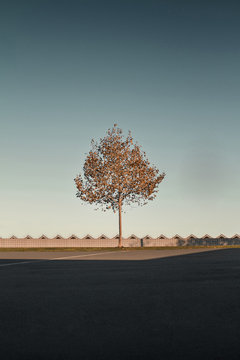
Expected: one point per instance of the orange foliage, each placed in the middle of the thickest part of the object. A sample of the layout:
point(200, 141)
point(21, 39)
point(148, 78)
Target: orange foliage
point(117, 172)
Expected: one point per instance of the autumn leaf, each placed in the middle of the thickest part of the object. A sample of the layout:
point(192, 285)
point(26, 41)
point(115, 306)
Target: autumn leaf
point(117, 173)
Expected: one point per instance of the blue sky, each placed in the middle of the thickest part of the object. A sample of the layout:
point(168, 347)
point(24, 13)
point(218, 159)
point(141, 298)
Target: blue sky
point(166, 70)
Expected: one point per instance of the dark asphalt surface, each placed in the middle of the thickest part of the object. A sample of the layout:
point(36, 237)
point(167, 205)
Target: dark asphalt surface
point(180, 307)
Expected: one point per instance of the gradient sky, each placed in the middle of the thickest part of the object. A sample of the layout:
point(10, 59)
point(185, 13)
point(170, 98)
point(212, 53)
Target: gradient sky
point(166, 70)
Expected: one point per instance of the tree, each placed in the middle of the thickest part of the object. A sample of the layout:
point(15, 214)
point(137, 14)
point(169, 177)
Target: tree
point(117, 173)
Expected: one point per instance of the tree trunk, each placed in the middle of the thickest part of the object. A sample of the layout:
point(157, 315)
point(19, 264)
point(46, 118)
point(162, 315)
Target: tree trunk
point(120, 223)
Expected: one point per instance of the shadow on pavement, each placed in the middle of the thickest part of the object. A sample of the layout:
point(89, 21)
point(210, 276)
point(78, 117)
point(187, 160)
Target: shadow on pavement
point(180, 307)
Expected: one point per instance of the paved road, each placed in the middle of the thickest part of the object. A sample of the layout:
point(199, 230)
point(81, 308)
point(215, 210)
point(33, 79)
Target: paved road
point(174, 307)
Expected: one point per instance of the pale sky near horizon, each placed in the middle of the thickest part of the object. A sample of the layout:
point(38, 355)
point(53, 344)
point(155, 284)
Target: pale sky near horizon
point(166, 70)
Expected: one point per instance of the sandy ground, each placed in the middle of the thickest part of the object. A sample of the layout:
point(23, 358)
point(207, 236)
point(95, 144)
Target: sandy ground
point(98, 255)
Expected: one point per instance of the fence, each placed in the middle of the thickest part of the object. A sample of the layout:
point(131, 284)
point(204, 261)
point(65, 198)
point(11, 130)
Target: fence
point(103, 241)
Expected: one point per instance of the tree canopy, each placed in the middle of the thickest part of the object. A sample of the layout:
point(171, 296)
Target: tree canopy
point(117, 172)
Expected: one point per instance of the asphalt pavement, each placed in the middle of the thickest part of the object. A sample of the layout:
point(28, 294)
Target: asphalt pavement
point(111, 306)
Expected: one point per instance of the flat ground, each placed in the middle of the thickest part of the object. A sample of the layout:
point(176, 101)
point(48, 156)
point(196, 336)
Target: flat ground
point(150, 304)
